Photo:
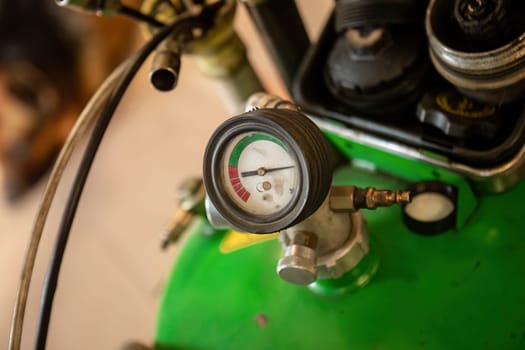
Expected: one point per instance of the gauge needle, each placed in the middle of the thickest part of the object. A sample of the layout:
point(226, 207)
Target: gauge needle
point(263, 171)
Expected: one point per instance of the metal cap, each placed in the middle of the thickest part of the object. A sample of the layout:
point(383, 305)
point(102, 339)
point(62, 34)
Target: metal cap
point(298, 266)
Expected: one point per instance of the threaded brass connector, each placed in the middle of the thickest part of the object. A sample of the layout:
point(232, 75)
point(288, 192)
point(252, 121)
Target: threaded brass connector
point(371, 198)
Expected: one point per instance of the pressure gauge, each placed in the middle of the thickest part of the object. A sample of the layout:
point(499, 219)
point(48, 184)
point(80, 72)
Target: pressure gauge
point(267, 170)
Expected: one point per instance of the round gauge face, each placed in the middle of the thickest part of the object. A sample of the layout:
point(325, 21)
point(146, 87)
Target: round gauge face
point(259, 174)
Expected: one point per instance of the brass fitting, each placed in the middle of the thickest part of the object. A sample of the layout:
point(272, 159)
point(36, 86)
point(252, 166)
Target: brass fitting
point(191, 195)
point(370, 198)
point(351, 198)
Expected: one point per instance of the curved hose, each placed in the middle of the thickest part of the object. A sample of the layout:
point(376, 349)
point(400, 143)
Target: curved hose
point(86, 118)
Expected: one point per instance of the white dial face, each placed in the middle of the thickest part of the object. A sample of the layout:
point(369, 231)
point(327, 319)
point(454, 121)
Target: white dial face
point(259, 174)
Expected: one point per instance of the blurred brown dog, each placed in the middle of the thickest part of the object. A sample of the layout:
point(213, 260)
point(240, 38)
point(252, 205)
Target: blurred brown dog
point(51, 62)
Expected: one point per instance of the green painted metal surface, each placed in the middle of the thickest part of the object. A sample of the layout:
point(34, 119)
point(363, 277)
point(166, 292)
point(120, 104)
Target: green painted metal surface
point(459, 290)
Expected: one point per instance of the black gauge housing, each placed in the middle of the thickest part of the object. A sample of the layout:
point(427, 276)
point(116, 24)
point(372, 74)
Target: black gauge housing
point(306, 145)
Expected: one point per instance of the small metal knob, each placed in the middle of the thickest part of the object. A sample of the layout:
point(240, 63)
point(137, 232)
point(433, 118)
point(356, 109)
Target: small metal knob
point(299, 263)
point(371, 198)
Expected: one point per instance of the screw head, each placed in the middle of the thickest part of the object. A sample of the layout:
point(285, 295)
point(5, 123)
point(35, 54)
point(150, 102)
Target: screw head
point(299, 265)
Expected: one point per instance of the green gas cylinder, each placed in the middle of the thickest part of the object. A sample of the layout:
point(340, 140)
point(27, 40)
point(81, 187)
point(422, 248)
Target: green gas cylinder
point(459, 289)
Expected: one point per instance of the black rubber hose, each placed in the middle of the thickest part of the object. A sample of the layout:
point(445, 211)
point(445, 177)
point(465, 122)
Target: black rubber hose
point(50, 283)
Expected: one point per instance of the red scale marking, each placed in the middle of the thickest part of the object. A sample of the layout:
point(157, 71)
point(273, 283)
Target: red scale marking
point(233, 172)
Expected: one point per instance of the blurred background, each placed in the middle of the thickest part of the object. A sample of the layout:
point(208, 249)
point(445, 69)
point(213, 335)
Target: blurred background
point(113, 272)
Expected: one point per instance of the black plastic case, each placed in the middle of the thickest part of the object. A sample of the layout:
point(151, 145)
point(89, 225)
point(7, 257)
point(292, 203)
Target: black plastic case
point(311, 93)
